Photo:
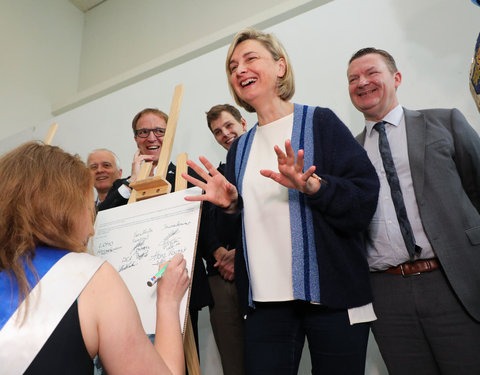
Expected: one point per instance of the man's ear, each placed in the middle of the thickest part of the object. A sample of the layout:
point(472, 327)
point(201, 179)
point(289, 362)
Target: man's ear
point(244, 124)
point(398, 79)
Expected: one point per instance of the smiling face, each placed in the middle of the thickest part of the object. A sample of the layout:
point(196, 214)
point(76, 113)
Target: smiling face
point(104, 170)
point(226, 129)
point(152, 144)
point(372, 86)
point(254, 73)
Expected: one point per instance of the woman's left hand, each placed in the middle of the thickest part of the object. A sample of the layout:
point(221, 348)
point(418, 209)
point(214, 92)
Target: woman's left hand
point(291, 173)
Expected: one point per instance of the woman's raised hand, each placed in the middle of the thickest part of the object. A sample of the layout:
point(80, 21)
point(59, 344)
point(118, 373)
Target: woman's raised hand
point(290, 171)
point(217, 189)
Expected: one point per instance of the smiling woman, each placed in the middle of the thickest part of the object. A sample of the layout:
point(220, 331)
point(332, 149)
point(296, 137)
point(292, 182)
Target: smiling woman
point(301, 269)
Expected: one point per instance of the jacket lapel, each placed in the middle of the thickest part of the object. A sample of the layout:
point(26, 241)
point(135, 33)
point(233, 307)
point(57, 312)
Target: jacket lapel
point(361, 137)
point(416, 128)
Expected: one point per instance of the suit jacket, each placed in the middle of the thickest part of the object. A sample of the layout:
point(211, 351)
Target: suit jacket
point(444, 156)
point(115, 199)
point(217, 230)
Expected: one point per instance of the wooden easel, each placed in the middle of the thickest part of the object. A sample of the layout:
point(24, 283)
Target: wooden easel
point(148, 187)
point(51, 132)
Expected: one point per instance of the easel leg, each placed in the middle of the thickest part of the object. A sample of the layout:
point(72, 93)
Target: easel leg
point(190, 349)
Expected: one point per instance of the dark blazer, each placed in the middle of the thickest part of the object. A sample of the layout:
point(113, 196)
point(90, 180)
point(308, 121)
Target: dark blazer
point(444, 156)
point(115, 199)
point(217, 230)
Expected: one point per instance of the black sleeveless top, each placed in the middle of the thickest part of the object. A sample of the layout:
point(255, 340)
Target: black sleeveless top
point(65, 351)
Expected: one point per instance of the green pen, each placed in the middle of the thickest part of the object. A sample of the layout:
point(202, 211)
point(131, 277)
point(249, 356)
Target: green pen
point(157, 276)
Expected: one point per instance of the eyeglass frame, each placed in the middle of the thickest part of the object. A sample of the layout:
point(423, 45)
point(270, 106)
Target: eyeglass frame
point(162, 131)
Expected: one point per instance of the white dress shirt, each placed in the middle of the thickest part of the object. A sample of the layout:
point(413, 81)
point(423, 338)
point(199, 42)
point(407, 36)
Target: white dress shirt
point(386, 247)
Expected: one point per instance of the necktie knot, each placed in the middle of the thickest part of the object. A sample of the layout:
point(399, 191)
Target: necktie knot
point(379, 126)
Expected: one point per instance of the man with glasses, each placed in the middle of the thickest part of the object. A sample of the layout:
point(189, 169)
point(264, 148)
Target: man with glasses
point(149, 126)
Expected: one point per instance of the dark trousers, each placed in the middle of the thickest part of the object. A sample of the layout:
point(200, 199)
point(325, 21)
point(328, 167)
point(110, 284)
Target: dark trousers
point(227, 325)
point(422, 328)
point(275, 333)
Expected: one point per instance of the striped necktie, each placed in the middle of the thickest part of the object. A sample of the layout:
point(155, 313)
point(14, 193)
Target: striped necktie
point(396, 191)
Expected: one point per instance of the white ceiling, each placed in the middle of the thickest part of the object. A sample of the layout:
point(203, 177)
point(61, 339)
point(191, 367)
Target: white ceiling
point(86, 5)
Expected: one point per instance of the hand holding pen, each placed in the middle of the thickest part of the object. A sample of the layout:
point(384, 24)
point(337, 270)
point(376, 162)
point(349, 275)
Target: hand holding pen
point(174, 281)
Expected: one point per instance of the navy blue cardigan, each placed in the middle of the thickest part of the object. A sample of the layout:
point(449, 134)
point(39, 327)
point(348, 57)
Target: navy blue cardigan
point(342, 210)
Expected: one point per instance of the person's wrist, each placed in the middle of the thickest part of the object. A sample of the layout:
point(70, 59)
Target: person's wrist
point(314, 183)
point(319, 179)
point(232, 207)
point(167, 304)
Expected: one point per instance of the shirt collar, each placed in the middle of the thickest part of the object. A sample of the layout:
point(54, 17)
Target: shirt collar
point(393, 117)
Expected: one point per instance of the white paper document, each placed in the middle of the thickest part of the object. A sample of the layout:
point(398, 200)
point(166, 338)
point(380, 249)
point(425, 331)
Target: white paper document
point(137, 238)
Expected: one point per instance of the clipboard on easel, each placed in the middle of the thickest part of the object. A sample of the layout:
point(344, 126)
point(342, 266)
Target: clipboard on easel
point(146, 187)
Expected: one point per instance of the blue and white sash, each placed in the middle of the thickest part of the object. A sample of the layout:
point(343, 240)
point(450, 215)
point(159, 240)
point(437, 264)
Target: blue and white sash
point(66, 275)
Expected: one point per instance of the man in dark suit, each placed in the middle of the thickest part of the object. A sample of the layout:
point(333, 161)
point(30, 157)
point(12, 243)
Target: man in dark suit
point(149, 127)
point(220, 240)
point(424, 242)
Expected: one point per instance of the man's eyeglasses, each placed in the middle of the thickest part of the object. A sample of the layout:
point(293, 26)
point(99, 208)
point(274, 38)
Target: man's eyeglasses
point(144, 133)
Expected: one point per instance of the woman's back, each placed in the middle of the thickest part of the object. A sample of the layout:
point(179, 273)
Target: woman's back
point(80, 306)
point(65, 351)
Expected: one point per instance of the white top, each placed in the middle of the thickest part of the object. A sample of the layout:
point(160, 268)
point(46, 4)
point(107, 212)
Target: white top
point(267, 217)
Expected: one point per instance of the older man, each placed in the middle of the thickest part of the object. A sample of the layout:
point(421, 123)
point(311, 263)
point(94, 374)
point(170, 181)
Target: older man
point(149, 126)
point(105, 168)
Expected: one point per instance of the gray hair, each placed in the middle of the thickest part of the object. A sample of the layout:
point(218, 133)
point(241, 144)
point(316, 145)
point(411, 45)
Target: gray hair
point(115, 157)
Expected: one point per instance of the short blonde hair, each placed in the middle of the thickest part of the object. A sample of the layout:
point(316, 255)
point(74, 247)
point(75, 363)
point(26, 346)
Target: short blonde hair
point(285, 84)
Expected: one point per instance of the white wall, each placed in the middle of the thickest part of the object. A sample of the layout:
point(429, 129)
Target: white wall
point(126, 41)
point(432, 41)
point(122, 34)
point(40, 56)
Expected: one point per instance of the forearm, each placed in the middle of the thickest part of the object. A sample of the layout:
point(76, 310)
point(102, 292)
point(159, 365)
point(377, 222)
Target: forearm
point(168, 337)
